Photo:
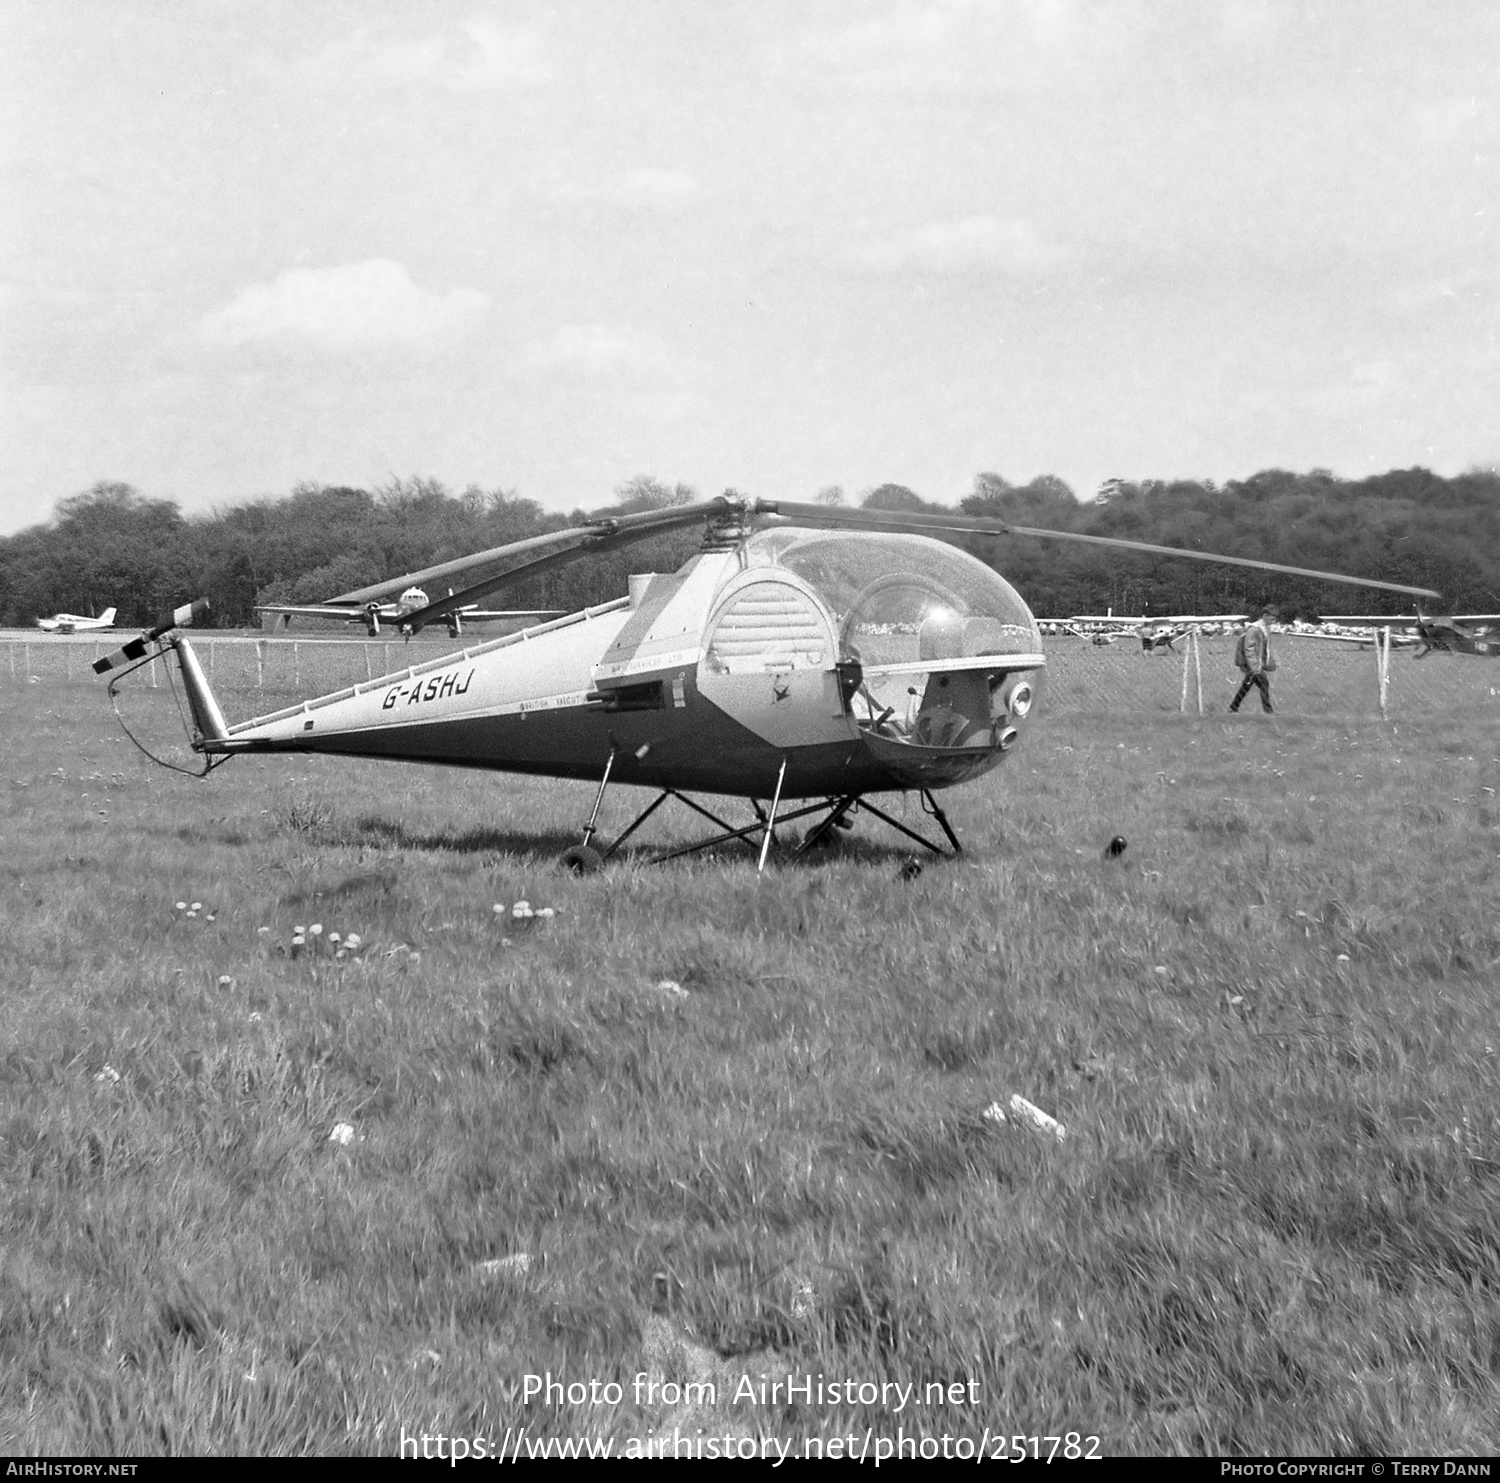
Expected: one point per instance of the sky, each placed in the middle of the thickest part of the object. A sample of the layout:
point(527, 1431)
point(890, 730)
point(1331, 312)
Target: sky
point(769, 246)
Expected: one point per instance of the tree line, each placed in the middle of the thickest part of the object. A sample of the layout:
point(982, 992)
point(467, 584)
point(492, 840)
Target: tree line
point(112, 545)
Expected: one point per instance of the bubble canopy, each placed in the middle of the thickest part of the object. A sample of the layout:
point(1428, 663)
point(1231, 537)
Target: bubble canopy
point(906, 601)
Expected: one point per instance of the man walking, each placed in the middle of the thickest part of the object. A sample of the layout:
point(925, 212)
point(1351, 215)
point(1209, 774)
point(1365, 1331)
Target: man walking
point(1253, 655)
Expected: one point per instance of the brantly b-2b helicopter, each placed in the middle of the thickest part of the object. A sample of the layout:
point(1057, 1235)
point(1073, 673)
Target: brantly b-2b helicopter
point(805, 655)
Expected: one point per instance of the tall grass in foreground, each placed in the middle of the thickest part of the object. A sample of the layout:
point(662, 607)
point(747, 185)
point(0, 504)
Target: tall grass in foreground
point(1270, 1030)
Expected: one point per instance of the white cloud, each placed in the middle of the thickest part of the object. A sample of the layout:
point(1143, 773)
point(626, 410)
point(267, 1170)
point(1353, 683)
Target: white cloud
point(358, 306)
point(1366, 387)
point(483, 54)
point(652, 188)
point(964, 45)
point(971, 244)
point(1450, 120)
point(646, 189)
point(601, 350)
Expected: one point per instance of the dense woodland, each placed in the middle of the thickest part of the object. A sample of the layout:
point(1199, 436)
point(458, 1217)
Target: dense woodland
point(114, 545)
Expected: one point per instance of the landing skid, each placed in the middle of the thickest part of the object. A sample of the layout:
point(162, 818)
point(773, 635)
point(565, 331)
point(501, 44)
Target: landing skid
point(758, 836)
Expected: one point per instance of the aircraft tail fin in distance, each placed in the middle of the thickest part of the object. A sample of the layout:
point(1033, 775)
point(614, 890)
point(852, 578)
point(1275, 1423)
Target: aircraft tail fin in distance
point(107, 617)
point(208, 719)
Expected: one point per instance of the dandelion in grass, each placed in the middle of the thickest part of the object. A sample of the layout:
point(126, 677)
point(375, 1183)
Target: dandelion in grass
point(108, 1075)
point(342, 1134)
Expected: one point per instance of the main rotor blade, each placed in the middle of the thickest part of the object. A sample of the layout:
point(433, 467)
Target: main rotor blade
point(916, 524)
point(545, 553)
point(647, 522)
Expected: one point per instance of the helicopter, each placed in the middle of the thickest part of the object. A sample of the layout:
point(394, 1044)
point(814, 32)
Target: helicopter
point(806, 659)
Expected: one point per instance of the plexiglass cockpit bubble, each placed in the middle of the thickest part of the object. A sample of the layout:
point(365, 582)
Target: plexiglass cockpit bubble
point(928, 634)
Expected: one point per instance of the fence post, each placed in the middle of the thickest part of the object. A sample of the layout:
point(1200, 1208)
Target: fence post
point(260, 664)
point(1383, 667)
point(1182, 704)
point(1198, 671)
point(296, 667)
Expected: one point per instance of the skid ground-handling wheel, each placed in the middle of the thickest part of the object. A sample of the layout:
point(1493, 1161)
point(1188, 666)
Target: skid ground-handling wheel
point(582, 859)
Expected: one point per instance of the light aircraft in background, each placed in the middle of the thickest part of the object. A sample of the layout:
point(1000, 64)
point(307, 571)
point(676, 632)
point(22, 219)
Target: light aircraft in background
point(1157, 635)
point(72, 623)
point(1455, 633)
point(804, 653)
point(355, 608)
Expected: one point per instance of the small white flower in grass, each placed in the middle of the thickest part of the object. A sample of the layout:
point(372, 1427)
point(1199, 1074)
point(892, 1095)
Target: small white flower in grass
point(545, 911)
point(182, 906)
point(342, 1134)
point(298, 931)
point(1161, 970)
point(108, 1074)
point(225, 982)
point(334, 937)
point(262, 931)
point(517, 1264)
point(256, 1017)
point(672, 989)
point(505, 942)
point(1236, 998)
point(352, 942)
point(209, 917)
point(803, 1300)
point(498, 908)
point(316, 930)
point(196, 906)
point(1343, 958)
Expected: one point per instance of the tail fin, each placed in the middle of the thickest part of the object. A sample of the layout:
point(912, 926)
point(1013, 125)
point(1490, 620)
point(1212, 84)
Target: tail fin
point(107, 617)
point(208, 719)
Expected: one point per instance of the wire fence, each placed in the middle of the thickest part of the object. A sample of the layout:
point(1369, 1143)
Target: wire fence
point(1313, 678)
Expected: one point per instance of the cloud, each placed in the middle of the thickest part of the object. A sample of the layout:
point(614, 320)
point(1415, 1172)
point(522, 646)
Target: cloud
point(646, 189)
point(1465, 119)
point(483, 54)
point(971, 244)
point(601, 350)
point(950, 46)
point(1366, 387)
point(355, 307)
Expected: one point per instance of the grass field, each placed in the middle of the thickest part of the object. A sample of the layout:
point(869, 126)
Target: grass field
point(1270, 1030)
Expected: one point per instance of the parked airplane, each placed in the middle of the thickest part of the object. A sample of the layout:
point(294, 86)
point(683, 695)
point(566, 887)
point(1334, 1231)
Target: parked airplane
point(1455, 633)
point(72, 623)
point(349, 609)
